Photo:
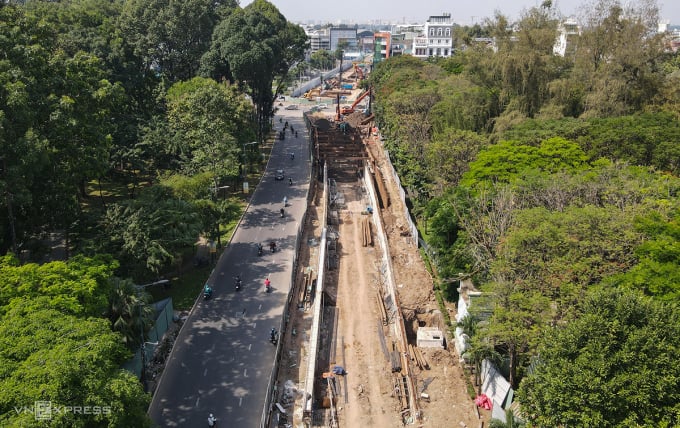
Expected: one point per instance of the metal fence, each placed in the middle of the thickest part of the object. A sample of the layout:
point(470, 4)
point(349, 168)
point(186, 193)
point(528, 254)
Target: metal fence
point(164, 316)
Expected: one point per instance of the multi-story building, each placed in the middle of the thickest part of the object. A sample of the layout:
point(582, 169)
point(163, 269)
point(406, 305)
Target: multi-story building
point(319, 40)
point(436, 39)
point(382, 46)
point(366, 41)
point(346, 36)
point(567, 33)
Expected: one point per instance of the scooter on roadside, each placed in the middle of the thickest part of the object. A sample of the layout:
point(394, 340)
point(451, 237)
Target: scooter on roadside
point(207, 292)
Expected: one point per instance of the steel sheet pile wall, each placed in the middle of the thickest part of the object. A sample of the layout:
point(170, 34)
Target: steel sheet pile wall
point(318, 302)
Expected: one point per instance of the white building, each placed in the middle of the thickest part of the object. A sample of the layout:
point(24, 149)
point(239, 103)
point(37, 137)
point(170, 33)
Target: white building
point(347, 36)
point(567, 33)
point(319, 40)
point(436, 39)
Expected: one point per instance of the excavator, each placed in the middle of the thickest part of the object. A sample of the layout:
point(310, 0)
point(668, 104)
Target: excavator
point(350, 109)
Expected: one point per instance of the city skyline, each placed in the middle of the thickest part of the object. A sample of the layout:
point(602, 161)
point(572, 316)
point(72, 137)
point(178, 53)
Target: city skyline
point(401, 11)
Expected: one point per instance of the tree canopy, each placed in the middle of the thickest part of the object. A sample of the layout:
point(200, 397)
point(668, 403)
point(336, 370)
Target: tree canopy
point(614, 364)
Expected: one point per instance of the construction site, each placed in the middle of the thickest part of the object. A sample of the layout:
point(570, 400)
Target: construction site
point(365, 342)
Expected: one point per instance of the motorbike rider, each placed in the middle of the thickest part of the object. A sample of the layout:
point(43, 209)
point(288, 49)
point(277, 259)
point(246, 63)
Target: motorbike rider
point(212, 421)
point(259, 249)
point(282, 212)
point(272, 246)
point(237, 281)
point(285, 201)
point(267, 284)
point(290, 181)
point(207, 290)
point(272, 335)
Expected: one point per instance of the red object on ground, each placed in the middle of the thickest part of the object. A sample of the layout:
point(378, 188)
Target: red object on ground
point(483, 401)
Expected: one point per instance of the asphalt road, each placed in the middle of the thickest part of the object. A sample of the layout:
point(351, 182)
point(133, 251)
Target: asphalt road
point(222, 358)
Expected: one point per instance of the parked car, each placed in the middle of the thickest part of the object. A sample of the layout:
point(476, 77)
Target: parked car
point(292, 107)
point(322, 105)
point(279, 175)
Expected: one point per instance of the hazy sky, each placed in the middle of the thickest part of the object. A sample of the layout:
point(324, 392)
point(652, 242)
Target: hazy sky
point(415, 11)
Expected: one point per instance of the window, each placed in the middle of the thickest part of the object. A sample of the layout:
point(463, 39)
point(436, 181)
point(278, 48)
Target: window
point(439, 32)
point(446, 52)
point(439, 52)
point(431, 52)
point(448, 32)
point(431, 31)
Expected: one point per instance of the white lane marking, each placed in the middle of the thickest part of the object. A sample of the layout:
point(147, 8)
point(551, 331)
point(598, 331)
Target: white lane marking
point(250, 346)
point(259, 307)
point(240, 401)
point(197, 400)
point(205, 372)
point(245, 372)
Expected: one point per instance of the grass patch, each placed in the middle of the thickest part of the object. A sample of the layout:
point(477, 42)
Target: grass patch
point(184, 289)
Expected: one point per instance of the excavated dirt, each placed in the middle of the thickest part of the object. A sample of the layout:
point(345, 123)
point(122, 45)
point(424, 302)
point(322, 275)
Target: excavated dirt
point(352, 335)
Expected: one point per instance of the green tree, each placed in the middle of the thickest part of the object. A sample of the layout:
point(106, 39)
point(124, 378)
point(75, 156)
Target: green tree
point(321, 59)
point(258, 47)
point(171, 36)
point(658, 271)
point(618, 58)
point(615, 364)
point(210, 121)
point(129, 311)
point(148, 233)
point(54, 121)
point(48, 355)
point(449, 154)
point(79, 286)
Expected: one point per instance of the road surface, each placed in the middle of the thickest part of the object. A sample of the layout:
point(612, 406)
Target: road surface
point(222, 359)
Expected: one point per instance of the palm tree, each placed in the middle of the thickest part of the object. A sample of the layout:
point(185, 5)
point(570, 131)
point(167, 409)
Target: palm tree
point(511, 421)
point(129, 311)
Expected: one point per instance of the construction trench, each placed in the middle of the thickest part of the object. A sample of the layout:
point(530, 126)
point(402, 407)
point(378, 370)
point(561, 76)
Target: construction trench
point(311, 384)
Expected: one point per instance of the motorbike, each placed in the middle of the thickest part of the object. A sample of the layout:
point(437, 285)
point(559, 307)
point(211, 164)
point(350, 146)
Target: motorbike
point(272, 246)
point(282, 212)
point(259, 249)
point(290, 181)
point(212, 421)
point(207, 292)
point(273, 336)
point(237, 282)
point(285, 201)
point(267, 285)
